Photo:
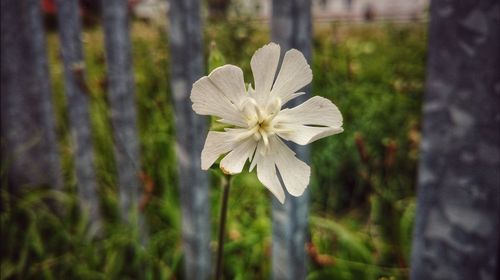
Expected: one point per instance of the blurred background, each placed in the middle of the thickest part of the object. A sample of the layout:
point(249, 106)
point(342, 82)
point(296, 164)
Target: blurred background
point(94, 94)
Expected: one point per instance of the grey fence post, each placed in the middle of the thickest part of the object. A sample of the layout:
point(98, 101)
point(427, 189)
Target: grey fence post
point(78, 102)
point(457, 225)
point(122, 102)
point(291, 27)
point(186, 54)
point(29, 144)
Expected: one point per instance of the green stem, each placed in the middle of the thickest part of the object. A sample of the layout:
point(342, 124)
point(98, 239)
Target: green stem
point(222, 225)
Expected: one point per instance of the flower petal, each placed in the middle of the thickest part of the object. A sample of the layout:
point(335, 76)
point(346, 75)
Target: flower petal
point(216, 144)
point(294, 172)
point(208, 99)
point(233, 162)
point(295, 73)
point(229, 80)
point(303, 135)
point(316, 110)
point(264, 63)
point(266, 172)
point(314, 119)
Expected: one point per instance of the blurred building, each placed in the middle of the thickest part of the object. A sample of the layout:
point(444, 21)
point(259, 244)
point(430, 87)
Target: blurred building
point(349, 10)
point(344, 10)
point(151, 10)
point(323, 10)
point(356, 10)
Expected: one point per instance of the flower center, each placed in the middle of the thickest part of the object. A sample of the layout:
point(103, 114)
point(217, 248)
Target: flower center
point(260, 119)
point(265, 129)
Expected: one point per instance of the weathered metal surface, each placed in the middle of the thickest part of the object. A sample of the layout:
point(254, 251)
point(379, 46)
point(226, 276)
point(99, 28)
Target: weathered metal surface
point(78, 101)
point(457, 225)
point(186, 54)
point(29, 145)
point(122, 104)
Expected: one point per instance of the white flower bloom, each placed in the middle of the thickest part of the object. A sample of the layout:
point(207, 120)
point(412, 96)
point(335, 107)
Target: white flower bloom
point(259, 122)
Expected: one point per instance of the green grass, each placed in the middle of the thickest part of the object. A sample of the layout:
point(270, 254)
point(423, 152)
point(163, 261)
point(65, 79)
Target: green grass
point(362, 208)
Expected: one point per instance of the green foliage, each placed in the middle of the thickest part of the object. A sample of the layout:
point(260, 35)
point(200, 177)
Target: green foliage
point(248, 240)
point(237, 39)
point(45, 244)
point(375, 76)
point(215, 57)
point(363, 181)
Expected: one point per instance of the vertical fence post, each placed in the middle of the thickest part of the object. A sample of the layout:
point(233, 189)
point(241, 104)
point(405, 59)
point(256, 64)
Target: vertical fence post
point(74, 78)
point(457, 223)
point(186, 54)
point(291, 27)
point(29, 145)
point(122, 103)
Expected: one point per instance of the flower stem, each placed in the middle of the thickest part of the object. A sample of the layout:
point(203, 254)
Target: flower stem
point(226, 184)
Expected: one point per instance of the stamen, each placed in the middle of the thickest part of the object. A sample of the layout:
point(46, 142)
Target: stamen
point(257, 136)
point(259, 120)
point(264, 151)
point(248, 108)
point(264, 137)
point(274, 107)
point(247, 133)
point(281, 129)
point(260, 115)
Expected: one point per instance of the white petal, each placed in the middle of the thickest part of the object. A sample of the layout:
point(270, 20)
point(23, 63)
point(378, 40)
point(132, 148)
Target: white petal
point(303, 135)
point(315, 111)
point(266, 172)
point(216, 144)
point(229, 80)
point(209, 100)
point(314, 119)
point(294, 172)
point(294, 74)
point(233, 162)
point(259, 151)
point(264, 64)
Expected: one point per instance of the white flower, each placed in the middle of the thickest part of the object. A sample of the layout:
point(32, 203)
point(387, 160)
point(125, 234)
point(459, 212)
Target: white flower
point(259, 122)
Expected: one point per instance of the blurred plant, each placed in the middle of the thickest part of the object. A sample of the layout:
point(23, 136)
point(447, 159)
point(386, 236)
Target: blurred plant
point(236, 38)
point(45, 244)
point(217, 9)
point(215, 57)
point(377, 72)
